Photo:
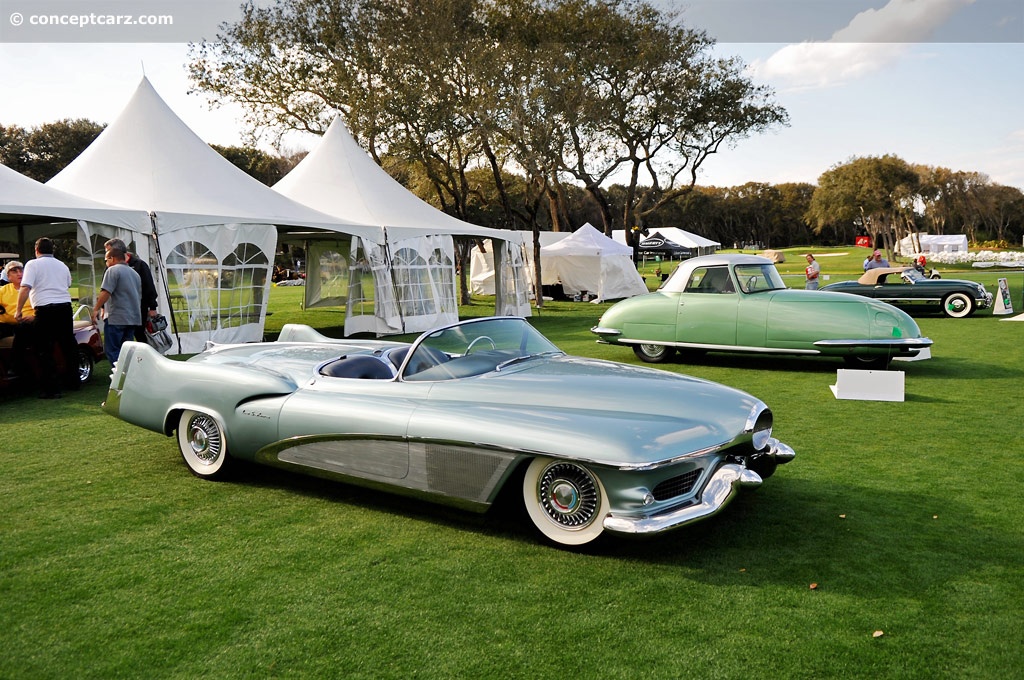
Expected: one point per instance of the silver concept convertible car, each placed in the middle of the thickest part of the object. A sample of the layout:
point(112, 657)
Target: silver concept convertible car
point(453, 417)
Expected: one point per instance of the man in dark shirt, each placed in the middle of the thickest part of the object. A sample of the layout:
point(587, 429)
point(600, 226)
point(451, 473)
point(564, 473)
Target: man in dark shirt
point(148, 285)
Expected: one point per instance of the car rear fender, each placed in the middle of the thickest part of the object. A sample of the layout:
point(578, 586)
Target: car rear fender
point(149, 390)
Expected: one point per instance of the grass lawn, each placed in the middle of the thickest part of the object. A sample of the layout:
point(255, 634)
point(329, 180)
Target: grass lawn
point(116, 562)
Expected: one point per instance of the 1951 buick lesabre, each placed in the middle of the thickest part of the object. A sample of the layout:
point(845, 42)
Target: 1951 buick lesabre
point(456, 416)
point(739, 303)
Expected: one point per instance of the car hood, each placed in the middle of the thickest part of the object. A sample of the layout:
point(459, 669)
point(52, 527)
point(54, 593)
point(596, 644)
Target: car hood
point(595, 410)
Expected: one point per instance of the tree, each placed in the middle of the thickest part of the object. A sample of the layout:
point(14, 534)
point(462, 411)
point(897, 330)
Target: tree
point(43, 151)
point(876, 193)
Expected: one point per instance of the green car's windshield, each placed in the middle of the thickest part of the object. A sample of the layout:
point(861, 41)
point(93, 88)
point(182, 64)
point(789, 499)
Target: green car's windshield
point(474, 347)
point(756, 278)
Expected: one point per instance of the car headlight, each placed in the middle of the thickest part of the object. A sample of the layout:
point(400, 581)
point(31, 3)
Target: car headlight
point(759, 425)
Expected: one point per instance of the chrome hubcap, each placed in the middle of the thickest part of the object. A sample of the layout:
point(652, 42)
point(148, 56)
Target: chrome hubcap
point(569, 495)
point(204, 438)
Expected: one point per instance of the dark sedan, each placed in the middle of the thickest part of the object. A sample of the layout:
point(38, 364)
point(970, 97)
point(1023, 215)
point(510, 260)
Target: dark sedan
point(908, 288)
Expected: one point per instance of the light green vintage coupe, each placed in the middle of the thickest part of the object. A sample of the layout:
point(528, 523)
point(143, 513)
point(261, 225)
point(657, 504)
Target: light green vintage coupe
point(457, 416)
point(739, 303)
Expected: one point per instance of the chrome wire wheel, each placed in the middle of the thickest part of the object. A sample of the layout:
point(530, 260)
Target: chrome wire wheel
point(202, 444)
point(565, 500)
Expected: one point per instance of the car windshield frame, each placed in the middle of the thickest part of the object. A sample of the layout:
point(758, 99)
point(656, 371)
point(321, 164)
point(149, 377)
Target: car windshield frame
point(912, 276)
point(474, 347)
point(758, 277)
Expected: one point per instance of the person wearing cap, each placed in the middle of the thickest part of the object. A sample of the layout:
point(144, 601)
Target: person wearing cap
point(9, 326)
point(875, 261)
point(46, 286)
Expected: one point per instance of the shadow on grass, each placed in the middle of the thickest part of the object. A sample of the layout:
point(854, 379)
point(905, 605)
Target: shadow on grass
point(850, 539)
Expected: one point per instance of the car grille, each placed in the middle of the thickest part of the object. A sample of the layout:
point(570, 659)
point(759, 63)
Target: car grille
point(677, 486)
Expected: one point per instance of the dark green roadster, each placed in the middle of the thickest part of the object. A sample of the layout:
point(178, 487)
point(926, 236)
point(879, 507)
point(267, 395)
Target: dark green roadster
point(909, 289)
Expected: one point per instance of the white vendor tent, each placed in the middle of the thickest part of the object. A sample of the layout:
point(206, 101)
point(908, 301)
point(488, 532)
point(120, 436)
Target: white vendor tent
point(590, 261)
point(412, 276)
point(953, 243)
point(696, 243)
point(482, 262)
point(213, 228)
point(29, 209)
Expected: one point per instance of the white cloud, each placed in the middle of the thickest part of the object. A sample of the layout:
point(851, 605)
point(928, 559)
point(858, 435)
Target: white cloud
point(872, 40)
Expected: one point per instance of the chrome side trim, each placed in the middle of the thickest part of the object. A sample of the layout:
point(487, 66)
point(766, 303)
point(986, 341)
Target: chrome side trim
point(897, 343)
point(722, 348)
point(723, 486)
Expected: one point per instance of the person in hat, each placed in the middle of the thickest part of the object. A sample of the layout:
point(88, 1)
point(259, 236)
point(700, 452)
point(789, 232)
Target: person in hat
point(875, 261)
point(21, 331)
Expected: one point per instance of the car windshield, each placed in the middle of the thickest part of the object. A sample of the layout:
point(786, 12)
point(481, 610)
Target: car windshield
point(756, 278)
point(473, 348)
point(913, 276)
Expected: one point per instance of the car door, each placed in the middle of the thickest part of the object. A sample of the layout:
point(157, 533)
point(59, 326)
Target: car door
point(352, 426)
point(707, 308)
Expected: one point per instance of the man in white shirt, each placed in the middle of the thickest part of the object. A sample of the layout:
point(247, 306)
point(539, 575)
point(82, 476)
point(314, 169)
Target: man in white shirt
point(45, 283)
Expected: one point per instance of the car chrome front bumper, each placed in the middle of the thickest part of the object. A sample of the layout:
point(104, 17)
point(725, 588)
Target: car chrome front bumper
point(723, 486)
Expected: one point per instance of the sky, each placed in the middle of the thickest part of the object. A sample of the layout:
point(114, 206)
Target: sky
point(935, 82)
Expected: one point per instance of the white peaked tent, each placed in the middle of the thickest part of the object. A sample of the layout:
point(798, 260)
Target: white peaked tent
point(26, 201)
point(213, 228)
point(413, 277)
point(590, 261)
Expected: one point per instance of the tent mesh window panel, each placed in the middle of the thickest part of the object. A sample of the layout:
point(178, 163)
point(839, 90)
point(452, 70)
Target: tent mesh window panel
point(193, 271)
point(243, 279)
point(412, 279)
point(443, 271)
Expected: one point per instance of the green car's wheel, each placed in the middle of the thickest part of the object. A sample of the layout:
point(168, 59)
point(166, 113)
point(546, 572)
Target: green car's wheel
point(958, 305)
point(868, 363)
point(85, 365)
point(202, 444)
point(565, 500)
point(653, 354)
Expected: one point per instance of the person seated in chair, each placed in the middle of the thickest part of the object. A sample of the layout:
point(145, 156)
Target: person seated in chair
point(20, 329)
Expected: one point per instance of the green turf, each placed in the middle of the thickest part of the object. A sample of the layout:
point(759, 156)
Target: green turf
point(116, 562)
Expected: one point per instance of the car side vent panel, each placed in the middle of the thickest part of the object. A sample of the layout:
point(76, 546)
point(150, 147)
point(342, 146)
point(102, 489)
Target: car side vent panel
point(677, 486)
point(464, 472)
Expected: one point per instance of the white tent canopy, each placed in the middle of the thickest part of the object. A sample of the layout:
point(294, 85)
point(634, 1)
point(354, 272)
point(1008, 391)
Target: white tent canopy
point(590, 261)
point(24, 200)
point(215, 227)
point(414, 279)
point(933, 243)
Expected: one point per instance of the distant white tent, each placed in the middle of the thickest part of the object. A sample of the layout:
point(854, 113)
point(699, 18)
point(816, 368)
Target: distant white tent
point(696, 243)
point(590, 261)
point(412, 279)
point(215, 227)
point(933, 243)
point(482, 262)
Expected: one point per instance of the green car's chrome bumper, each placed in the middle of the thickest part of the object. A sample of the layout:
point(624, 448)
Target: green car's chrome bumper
point(723, 486)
